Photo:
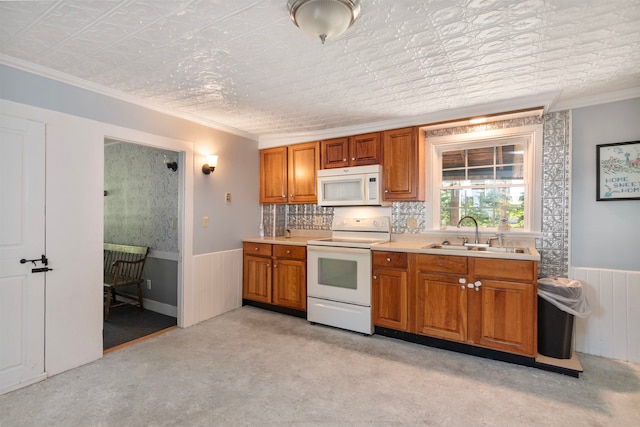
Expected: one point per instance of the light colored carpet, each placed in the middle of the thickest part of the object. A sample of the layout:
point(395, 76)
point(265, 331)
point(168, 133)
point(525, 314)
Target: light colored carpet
point(254, 367)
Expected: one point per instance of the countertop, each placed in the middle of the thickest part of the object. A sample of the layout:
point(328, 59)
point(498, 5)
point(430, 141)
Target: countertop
point(280, 240)
point(403, 246)
point(418, 247)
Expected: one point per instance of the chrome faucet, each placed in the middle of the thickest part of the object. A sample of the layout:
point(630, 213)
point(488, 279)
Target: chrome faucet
point(474, 221)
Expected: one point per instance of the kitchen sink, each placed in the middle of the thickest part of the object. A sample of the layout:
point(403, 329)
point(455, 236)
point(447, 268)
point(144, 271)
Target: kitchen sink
point(510, 250)
point(505, 250)
point(448, 247)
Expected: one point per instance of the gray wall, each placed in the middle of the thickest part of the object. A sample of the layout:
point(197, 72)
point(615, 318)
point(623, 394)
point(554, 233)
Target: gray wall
point(238, 166)
point(603, 234)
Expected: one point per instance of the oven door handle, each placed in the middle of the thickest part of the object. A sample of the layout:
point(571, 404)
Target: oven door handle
point(338, 249)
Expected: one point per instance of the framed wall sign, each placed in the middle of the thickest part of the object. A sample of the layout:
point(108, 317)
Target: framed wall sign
point(618, 171)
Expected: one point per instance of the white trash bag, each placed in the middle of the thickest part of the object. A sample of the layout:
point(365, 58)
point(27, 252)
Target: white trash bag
point(566, 294)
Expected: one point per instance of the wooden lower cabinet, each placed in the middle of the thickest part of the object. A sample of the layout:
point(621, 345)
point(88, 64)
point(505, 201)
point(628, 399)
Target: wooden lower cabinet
point(256, 279)
point(390, 288)
point(501, 316)
point(290, 283)
point(275, 274)
point(479, 301)
point(503, 311)
point(441, 307)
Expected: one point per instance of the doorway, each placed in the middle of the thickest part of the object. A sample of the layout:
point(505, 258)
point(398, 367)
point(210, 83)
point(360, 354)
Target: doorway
point(141, 207)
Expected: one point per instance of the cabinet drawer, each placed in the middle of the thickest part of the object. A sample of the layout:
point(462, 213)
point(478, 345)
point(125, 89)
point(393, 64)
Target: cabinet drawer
point(389, 259)
point(505, 269)
point(290, 251)
point(442, 264)
point(259, 249)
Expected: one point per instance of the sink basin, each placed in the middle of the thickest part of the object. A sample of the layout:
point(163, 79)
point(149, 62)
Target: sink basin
point(449, 247)
point(476, 248)
point(505, 250)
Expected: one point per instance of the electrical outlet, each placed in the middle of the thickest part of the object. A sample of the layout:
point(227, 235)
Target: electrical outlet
point(227, 197)
point(412, 222)
point(205, 221)
point(149, 284)
point(318, 220)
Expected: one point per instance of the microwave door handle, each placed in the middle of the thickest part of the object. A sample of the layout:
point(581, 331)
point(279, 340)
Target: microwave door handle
point(365, 183)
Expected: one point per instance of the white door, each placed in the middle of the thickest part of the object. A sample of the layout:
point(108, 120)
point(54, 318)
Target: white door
point(22, 236)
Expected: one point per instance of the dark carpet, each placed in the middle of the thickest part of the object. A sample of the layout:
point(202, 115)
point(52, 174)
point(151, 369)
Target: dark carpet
point(128, 323)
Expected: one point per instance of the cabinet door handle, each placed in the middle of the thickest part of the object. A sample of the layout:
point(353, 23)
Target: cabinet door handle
point(478, 284)
point(344, 160)
point(353, 158)
point(388, 259)
point(288, 251)
point(462, 280)
point(257, 249)
point(386, 190)
point(375, 277)
point(275, 265)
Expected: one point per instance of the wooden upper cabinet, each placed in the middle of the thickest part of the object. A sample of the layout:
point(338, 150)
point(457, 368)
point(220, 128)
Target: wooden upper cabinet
point(358, 150)
point(335, 153)
point(289, 174)
point(403, 164)
point(273, 175)
point(303, 165)
point(365, 149)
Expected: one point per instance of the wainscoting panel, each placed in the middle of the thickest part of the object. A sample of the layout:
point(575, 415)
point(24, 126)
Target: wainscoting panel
point(217, 283)
point(612, 330)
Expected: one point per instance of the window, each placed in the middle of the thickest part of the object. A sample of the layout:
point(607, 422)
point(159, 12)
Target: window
point(491, 176)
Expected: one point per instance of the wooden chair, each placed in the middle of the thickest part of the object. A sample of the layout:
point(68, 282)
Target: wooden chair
point(122, 266)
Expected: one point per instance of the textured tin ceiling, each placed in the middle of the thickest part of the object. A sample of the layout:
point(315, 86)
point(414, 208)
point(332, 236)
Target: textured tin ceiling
point(243, 64)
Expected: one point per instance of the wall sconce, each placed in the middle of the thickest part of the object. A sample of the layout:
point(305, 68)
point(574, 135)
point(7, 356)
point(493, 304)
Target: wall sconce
point(210, 166)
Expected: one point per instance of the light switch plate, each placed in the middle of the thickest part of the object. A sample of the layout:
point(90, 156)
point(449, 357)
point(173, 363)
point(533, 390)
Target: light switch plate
point(205, 221)
point(412, 222)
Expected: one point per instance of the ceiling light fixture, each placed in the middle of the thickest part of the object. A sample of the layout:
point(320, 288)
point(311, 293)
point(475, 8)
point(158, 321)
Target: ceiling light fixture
point(478, 120)
point(325, 19)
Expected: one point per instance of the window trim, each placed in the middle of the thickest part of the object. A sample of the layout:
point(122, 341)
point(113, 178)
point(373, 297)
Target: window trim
point(531, 136)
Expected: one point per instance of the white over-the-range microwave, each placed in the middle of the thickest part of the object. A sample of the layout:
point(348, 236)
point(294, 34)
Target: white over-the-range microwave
point(354, 186)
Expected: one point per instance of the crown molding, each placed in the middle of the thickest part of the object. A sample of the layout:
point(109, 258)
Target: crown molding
point(543, 100)
point(49, 73)
point(601, 98)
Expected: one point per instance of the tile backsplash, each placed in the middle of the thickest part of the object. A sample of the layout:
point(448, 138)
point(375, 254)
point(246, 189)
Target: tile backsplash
point(411, 217)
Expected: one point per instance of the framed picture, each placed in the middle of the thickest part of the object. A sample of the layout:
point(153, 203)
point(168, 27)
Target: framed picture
point(618, 171)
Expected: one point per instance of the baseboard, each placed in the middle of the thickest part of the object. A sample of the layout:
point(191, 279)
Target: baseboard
point(152, 305)
point(14, 387)
point(162, 308)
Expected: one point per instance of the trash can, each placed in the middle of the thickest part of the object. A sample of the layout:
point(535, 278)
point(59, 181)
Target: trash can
point(559, 300)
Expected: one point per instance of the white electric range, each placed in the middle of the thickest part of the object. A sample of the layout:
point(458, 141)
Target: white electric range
point(339, 273)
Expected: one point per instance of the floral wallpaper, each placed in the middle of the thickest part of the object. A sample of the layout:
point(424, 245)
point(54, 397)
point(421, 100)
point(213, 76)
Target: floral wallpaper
point(141, 196)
